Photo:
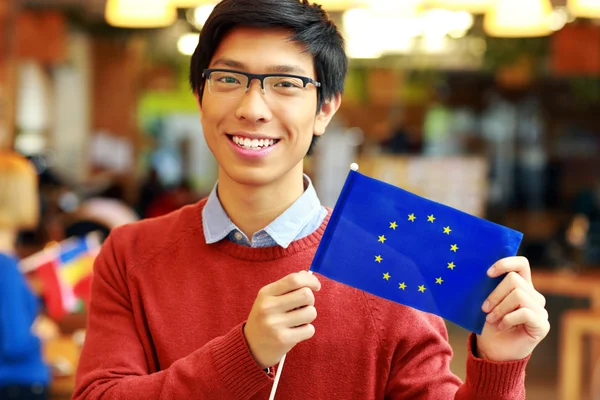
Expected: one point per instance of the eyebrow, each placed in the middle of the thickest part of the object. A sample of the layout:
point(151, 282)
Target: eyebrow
point(282, 69)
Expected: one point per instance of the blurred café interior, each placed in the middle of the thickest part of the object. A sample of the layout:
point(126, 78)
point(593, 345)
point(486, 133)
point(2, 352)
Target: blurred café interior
point(490, 106)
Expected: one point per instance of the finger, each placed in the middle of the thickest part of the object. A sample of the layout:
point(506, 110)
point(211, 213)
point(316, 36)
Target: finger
point(537, 326)
point(292, 282)
point(517, 299)
point(302, 332)
point(506, 286)
point(539, 298)
point(518, 264)
point(299, 317)
point(296, 299)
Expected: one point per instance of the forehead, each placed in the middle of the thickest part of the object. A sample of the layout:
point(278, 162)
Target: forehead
point(262, 50)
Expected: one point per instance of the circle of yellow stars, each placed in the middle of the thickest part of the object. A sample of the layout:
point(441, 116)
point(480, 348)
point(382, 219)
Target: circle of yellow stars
point(412, 218)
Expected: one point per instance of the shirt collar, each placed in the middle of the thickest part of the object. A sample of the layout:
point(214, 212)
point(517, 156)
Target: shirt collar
point(215, 221)
point(283, 230)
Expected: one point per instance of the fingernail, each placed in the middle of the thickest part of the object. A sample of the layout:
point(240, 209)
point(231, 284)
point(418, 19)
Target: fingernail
point(491, 270)
point(490, 318)
point(500, 326)
point(486, 306)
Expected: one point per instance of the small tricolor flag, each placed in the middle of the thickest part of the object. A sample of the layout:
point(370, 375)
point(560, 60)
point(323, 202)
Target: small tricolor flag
point(64, 271)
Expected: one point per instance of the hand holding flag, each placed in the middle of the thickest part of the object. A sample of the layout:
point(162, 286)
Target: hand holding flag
point(517, 320)
point(281, 317)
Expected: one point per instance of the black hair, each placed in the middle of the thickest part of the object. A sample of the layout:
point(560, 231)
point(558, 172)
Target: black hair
point(310, 27)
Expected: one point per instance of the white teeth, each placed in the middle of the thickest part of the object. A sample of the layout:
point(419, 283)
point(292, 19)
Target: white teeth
point(252, 143)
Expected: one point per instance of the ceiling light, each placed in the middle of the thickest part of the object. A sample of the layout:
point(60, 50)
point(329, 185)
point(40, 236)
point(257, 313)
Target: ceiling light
point(584, 8)
point(202, 13)
point(472, 6)
point(140, 13)
point(187, 43)
point(518, 18)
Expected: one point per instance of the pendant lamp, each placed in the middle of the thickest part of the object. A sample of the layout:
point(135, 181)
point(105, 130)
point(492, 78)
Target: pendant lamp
point(472, 6)
point(518, 18)
point(341, 5)
point(192, 3)
point(140, 13)
point(584, 8)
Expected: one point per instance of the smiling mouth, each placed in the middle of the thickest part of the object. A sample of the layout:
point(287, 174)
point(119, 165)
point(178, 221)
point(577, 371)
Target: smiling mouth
point(252, 144)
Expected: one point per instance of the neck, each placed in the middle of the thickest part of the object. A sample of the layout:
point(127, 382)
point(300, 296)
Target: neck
point(252, 208)
point(7, 240)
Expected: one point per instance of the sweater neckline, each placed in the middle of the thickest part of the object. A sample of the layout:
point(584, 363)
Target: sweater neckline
point(263, 253)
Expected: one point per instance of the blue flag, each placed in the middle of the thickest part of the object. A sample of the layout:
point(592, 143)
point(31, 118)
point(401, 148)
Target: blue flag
point(413, 251)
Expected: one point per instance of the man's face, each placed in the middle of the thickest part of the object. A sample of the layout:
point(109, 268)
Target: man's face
point(284, 129)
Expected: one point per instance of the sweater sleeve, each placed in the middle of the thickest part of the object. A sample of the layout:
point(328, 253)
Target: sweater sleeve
point(115, 362)
point(492, 380)
point(421, 369)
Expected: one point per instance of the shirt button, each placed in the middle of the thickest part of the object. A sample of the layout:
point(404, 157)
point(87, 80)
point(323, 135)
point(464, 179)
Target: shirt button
point(238, 236)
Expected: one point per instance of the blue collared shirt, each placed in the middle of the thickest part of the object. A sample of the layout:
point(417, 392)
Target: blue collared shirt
point(301, 219)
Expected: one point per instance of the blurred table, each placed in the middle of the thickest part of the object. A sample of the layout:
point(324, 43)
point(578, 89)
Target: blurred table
point(574, 325)
point(62, 351)
point(571, 284)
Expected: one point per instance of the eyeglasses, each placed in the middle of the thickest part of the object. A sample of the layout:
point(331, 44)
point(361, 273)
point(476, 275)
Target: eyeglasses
point(233, 84)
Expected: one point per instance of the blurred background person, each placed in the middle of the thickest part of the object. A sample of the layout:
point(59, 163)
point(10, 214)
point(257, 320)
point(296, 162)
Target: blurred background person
point(584, 229)
point(23, 372)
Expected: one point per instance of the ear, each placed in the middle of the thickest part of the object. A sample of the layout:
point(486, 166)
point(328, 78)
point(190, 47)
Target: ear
point(198, 101)
point(328, 110)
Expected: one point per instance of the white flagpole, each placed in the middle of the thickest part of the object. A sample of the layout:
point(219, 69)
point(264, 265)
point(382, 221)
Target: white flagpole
point(277, 376)
point(354, 167)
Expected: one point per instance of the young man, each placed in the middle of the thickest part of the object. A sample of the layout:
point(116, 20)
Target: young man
point(204, 302)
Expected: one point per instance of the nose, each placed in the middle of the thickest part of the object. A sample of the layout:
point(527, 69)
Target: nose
point(252, 106)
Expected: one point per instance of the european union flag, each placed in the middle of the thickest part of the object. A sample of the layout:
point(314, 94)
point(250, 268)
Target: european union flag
point(414, 251)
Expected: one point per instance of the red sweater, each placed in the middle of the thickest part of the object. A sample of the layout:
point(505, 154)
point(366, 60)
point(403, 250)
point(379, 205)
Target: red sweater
point(167, 313)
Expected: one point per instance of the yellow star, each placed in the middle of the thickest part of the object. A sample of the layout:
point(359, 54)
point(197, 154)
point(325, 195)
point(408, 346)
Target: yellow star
point(454, 248)
point(422, 288)
point(378, 259)
point(411, 217)
point(447, 230)
point(439, 280)
point(402, 286)
point(381, 239)
point(451, 266)
point(393, 225)
point(430, 218)
point(386, 276)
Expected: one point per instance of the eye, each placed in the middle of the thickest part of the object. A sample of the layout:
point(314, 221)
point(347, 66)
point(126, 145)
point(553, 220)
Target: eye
point(228, 79)
point(225, 78)
point(288, 83)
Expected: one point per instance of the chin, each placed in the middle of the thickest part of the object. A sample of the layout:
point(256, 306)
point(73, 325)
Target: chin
point(252, 176)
